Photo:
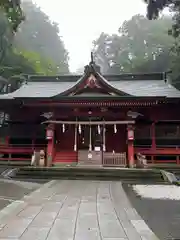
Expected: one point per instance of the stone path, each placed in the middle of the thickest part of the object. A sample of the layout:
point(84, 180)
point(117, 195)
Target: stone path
point(74, 210)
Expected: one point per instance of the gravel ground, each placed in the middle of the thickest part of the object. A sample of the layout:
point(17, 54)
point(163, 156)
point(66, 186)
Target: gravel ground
point(162, 216)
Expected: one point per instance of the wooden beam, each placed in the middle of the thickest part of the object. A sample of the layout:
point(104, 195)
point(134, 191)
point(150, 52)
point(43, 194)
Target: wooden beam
point(90, 122)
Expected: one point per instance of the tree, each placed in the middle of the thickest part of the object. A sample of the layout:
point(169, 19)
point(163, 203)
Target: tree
point(139, 46)
point(155, 6)
point(8, 58)
point(38, 34)
point(15, 62)
point(13, 11)
point(40, 65)
point(6, 36)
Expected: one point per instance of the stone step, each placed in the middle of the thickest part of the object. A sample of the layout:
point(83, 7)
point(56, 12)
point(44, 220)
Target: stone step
point(90, 172)
point(90, 163)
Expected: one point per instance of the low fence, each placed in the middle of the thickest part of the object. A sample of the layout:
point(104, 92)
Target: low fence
point(114, 159)
point(160, 155)
point(18, 152)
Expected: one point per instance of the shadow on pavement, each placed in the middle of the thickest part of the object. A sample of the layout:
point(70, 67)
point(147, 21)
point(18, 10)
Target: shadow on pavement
point(162, 216)
point(13, 190)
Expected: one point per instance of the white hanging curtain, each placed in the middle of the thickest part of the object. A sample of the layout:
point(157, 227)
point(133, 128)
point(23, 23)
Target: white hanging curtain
point(90, 138)
point(99, 130)
point(79, 129)
point(75, 138)
point(63, 128)
point(104, 137)
point(115, 128)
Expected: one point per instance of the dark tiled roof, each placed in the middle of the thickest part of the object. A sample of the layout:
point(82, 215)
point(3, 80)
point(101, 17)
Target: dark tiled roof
point(134, 88)
point(147, 88)
point(136, 85)
point(40, 89)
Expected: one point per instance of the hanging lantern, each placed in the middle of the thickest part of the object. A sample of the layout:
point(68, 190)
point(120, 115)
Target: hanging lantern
point(49, 134)
point(79, 129)
point(63, 128)
point(99, 130)
point(115, 128)
point(130, 134)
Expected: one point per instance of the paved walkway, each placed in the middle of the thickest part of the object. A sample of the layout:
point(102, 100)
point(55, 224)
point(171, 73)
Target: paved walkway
point(74, 210)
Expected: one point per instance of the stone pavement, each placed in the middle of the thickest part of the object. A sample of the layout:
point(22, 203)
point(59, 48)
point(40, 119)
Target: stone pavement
point(74, 210)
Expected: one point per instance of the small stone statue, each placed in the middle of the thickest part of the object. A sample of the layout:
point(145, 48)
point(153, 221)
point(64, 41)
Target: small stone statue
point(35, 159)
point(141, 161)
point(42, 158)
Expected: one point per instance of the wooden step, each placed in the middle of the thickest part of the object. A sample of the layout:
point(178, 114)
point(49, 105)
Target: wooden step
point(65, 156)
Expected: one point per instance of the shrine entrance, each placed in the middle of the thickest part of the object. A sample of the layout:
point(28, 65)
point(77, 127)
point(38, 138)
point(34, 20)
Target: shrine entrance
point(99, 143)
point(86, 135)
point(90, 145)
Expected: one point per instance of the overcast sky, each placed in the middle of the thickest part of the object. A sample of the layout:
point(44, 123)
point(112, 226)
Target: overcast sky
point(81, 21)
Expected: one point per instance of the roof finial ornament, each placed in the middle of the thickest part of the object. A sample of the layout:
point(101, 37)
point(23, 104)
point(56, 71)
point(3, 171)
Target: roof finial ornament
point(92, 67)
point(92, 58)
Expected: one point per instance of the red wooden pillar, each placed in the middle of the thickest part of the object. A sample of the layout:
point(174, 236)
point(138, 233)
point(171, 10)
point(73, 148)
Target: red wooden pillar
point(50, 145)
point(153, 138)
point(130, 136)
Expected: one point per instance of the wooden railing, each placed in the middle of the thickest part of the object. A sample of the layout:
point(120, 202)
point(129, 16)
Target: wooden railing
point(21, 147)
point(18, 153)
point(153, 154)
point(159, 150)
point(114, 159)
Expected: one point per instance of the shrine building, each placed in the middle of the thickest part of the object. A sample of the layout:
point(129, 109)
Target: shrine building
point(93, 119)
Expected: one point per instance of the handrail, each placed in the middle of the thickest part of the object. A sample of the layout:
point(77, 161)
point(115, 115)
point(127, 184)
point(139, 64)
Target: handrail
point(22, 145)
point(157, 146)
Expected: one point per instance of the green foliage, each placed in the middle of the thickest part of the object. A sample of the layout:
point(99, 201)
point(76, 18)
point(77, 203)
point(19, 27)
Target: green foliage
point(155, 6)
point(140, 46)
point(6, 35)
point(31, 50)
point(153, 9)
point(40, 65)
point(38, 34)
point(13, 11)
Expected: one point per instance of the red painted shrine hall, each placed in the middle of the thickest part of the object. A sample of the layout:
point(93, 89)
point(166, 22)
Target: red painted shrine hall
point(91, 119)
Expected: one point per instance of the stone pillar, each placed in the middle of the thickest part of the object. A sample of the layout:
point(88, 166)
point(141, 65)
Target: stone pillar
point(130, 141)
point(50, 145)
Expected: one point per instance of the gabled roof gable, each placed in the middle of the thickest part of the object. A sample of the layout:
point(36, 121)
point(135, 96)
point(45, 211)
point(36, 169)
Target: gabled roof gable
point(92, 82)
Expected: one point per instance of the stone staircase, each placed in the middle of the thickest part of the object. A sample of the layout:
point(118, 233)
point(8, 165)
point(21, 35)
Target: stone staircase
point(84, 160)
point(138, 176)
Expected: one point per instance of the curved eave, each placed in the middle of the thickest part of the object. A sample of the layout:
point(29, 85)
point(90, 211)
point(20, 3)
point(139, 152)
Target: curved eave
point(97, 99)
point(111, 87)
point(103, 81)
